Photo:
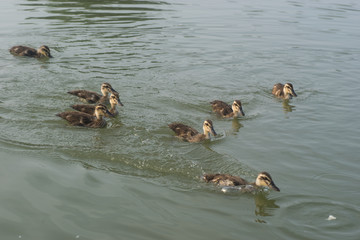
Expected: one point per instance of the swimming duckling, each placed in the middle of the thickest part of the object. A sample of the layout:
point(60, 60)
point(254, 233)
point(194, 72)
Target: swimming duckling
point(263, 179)
point(43, 51)
point(86, 120)
point(114, 100)
point(190, 134)
point(285, 91)
point(94, 97)
point(227, 111)
point(90, 109)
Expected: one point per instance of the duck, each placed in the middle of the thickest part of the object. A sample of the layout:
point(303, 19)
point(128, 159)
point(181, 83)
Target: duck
point(43, 51)
point(190, 134)
point(94, 97)
point(227, 111)
point(90, 109)
point(86, 120)
point(263, 180)
point(285, 91)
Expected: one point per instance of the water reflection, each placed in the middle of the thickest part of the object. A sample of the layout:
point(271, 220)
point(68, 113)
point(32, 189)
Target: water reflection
point(287, 107)
point(93, 12)
point(236, 125)
point(98, 35)
point(264, 205)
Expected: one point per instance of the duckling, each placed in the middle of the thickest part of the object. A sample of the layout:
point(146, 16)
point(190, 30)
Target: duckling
point(227, 111)
point(94, 97)
point(190, 134)
point(90, 109)
point(263, 179)
point(114, 100)
point(87, 120)
point(285, 91)
point(43, 51)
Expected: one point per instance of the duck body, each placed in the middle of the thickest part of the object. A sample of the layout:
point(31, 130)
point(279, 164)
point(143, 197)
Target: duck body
point(225, 110)
point(185, 132)
point(43, 51)
point(224, 179)
point(86, 120)
point(84, 108)
point(190, 134)
point(263, 179)
point(89, 96)
point(90, 109)
point(285, 91)
point(94, 97)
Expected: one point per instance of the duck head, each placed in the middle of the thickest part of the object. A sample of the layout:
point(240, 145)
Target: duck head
point(208, 128)
point(264, 179)
point(44, 51)
point(289, 90)
point(101, 110)
point(115, 99)
point(107, 88)
point(237, 108)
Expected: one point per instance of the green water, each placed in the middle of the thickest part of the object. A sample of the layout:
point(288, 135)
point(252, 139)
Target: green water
point(168, 60)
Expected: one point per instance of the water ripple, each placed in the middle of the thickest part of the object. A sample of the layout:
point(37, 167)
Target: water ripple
point(307, 217)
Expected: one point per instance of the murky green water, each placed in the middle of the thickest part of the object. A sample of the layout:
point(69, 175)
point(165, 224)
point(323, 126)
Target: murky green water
point(169, 59)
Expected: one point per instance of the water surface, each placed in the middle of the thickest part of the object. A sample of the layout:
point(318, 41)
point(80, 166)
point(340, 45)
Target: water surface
point(169, 59)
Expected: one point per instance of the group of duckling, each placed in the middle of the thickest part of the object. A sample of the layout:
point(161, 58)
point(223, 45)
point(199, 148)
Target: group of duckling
point(186, 133)
point(90, 115)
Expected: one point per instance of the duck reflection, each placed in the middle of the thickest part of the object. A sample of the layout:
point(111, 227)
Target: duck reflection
point(287, 107)
point(236, 125)
point(264, 205)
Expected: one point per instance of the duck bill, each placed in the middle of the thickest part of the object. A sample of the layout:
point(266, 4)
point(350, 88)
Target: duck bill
point(109, 113)
point(120, 103)
point(242, 112)
point(113, 91)
point(274, 187)
point(213, 131)
point(293, 93)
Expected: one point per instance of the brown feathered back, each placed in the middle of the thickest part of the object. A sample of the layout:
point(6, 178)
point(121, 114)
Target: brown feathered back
point(224, 179)
point(88, 96)
point(183, 130)
point(82, 119)
point(43, 51)
point(221, 107)
point(23, 51)
point(86, 108)
point(278, 90)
